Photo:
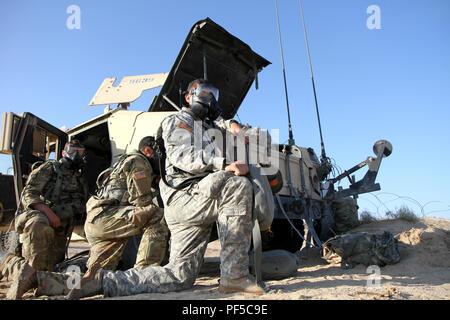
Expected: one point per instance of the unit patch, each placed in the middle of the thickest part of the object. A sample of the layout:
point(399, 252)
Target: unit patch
point(184, 125)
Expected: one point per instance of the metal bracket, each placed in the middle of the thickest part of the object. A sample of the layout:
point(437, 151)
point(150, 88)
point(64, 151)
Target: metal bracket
point(382, 148)
point(128, 90)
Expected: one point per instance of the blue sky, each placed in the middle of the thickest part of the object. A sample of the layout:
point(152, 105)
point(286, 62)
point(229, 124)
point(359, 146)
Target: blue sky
point(391, 83)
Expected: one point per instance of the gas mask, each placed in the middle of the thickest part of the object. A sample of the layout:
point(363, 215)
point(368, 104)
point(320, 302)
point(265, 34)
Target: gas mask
point(74, 156)
point(204, 102)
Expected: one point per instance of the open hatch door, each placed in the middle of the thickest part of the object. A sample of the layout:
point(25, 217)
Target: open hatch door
point(29, 139)
point(210, 52)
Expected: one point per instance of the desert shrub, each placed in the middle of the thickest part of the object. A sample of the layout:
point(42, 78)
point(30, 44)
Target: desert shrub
point(403, 213)
point(366, 217)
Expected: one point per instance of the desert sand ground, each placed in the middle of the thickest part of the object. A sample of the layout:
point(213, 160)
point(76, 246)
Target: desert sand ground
point(423, 272)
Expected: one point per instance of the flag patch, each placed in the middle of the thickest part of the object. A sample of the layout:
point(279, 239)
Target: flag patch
point(139, 175)
point(184, 125)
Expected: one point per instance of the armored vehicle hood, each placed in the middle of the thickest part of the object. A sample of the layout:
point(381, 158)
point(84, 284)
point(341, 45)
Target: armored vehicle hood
point(230, 64)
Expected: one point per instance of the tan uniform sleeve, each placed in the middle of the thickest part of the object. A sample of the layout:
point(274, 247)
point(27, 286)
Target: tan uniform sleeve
point(32, 193)
point(139, 177)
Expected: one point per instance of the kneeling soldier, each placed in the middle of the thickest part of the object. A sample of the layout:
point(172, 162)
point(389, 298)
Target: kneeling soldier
point(54, 194)
point(123, 207)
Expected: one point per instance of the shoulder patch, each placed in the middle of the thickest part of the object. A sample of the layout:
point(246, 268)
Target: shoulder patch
point(184, 125)
point(140, 175)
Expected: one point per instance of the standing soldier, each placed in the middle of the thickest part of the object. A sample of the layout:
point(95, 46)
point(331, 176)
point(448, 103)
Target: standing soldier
point(54, 194)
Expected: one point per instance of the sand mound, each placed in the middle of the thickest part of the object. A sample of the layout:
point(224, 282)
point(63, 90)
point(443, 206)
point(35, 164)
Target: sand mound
point(430, 246)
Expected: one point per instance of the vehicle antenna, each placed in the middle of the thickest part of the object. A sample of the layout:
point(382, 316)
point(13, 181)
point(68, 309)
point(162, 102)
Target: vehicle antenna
point(323, 156)
point(291, 137)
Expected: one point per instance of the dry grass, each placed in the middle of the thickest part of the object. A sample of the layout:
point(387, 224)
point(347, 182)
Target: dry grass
point(403, 213)
point(366, 217)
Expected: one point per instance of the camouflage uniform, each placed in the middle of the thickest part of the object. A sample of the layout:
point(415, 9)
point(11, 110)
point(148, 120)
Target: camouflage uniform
point(123, 208)
point(190, 213)
point(42, 245)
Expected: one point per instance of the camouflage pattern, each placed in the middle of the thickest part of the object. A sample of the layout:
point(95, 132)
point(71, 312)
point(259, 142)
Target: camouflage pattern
point(190, 213)
point(129, 183)
point(123, 208)
point(345, 214)
point(189, 149)
point(52, 283)
point(42, 245)
point(220, 122)
point(41, 183)
point(10, 266)
point(59, 284)
point(362, 248)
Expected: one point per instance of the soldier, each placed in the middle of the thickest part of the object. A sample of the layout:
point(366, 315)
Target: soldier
point(201, 189)
point(54, 194)
point(123, 207)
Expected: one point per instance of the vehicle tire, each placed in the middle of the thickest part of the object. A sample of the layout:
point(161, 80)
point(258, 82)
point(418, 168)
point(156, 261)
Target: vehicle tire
point(283, 236)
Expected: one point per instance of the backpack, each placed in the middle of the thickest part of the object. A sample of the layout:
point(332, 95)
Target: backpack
point(362, 248)
point(104, 177)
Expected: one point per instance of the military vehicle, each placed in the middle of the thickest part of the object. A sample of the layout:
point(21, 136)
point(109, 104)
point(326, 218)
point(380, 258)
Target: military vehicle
point(305, 198)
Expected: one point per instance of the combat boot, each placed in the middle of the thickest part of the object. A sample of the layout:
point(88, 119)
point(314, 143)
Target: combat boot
point(90, 285)
point(244, 284)
point(24, 280)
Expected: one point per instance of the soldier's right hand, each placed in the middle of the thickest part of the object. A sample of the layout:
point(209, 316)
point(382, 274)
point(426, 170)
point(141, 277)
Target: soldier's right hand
point(53, 219)
point(239, 168)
